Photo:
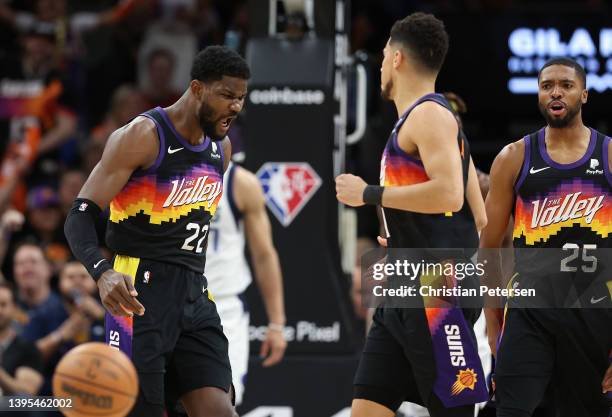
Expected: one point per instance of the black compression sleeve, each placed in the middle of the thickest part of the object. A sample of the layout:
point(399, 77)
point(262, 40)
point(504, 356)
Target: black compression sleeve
point(80, 230)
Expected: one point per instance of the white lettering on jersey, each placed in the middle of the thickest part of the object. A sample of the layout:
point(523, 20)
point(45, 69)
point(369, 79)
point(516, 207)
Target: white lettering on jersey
point(190, 191)
point(570, 208)
point(455, 346)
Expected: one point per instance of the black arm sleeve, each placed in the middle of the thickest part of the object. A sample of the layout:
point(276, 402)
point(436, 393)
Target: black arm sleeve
point(80, 231)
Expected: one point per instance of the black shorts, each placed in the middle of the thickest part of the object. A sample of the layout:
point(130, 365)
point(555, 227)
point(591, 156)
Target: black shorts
point(179, 338)
point(567, 348)
point(398, 365)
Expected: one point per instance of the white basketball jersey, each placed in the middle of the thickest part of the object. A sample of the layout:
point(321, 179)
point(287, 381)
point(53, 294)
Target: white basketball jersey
point(227, 270)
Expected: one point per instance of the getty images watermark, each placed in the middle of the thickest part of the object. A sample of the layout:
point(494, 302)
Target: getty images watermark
point(569, 277)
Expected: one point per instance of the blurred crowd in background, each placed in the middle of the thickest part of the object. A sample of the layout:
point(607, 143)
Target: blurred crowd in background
point(71, 72)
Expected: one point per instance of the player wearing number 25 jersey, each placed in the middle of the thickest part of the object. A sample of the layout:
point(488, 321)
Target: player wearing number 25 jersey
point(558, 185)
point(162, 175)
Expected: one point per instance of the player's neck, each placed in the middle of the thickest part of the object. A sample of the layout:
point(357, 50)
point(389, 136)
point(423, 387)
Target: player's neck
point(184, 120)
point(569, 134)
point(409, 91)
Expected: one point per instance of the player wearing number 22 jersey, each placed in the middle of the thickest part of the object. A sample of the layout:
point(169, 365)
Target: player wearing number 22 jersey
point(162, 176)
point(164, 212)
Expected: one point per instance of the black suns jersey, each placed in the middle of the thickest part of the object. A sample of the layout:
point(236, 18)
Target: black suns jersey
point(407, 229)
point(558, 203)
point(163, 213)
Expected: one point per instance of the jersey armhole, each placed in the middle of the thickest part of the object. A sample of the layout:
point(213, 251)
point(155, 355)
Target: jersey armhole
point(222, 153)
point(162, 145)
point(230, 195)
point(606, 159)
point(441, 101)
point(525, 167)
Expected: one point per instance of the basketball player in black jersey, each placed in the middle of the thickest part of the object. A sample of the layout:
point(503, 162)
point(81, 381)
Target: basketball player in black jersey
point(162, 176)
point(424, 171)
point(562, 170)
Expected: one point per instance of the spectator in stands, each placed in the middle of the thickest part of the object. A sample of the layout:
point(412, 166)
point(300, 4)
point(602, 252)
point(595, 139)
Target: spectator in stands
point(44, 225)
point(41, 114)
point(80, 295)
point(68, 28)
point(20, 362)
point(16, 161)
point(11, 221)
point(70, 184)
point(158, 89)
point(49, 324)
point(126, 103)
point(91, 154)
point(32, 274)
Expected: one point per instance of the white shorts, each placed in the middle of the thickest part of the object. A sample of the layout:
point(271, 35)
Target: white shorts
point(235, 322)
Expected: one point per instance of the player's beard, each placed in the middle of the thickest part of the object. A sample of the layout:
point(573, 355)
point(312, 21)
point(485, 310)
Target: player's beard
point(562, 122)
point(385, 92)
point(207, 124)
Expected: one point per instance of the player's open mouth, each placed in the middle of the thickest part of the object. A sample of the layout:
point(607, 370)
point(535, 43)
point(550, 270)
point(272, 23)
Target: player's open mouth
point(556, 107)
point(227, 122)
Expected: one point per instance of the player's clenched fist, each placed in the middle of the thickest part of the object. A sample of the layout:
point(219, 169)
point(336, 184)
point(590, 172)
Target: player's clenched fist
point(118, 294)
point(349, 189)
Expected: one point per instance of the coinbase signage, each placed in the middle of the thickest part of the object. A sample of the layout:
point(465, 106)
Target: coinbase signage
point(530, 48)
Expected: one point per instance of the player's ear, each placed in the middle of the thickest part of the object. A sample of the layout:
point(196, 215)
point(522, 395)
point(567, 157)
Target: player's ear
point(398, 56)
point(585, 96)
point(197, 88)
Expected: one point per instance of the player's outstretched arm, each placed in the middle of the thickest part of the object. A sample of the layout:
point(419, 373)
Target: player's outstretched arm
point(128, 148)
point(250, 201)
point(432, 132)
point(474, 198)
point(504, 171)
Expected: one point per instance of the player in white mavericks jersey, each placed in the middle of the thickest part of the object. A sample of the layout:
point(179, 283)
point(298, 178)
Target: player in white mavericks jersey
point(240, 218)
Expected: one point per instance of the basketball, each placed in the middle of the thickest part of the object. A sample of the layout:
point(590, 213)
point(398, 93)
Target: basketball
point(100, 381)
point(467, 379)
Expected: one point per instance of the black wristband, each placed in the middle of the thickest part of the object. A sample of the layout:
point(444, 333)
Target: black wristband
point(372, 194)
point(97, 270)
point(80, 231)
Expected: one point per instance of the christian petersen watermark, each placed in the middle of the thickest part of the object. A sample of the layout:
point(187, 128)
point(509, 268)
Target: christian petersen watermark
point(570, 277)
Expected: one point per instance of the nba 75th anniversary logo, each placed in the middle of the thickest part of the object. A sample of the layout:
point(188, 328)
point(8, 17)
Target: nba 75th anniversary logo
point(288, 186)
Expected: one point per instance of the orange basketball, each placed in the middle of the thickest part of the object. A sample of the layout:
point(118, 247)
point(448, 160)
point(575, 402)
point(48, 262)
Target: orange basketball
point(467, 379)
point(99, 380)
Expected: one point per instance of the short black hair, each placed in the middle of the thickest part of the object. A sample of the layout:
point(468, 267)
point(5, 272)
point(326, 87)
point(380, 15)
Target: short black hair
point(567, 62)
point(213, 62)
point(424, 36)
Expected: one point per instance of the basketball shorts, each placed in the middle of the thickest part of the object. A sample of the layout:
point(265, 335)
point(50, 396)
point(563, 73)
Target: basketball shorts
point(484, 352)
point(178, 344)
point(567, 348)
point(397, 364)
point(235, 321)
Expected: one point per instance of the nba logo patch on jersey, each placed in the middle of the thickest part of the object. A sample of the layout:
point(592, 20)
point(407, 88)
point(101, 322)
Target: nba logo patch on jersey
point(288, 186)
